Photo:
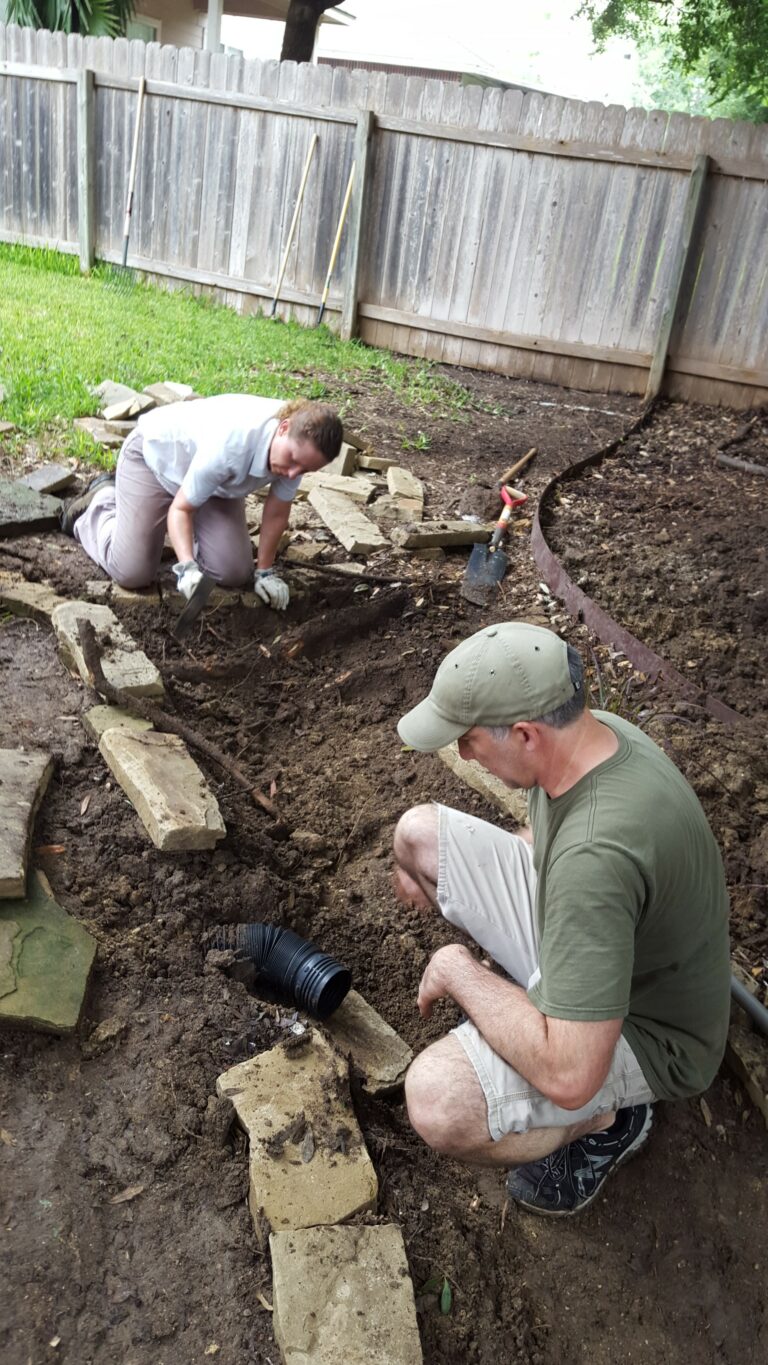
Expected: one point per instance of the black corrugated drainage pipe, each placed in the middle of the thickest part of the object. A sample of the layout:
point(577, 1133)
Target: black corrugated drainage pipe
point(287, 965)
point(757, 1012)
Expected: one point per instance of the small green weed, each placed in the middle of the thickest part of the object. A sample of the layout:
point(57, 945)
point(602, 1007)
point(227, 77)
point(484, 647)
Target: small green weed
point(419, 442)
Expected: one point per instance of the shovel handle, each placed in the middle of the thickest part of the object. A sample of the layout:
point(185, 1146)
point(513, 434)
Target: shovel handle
point(514, 469)
point(501, 526)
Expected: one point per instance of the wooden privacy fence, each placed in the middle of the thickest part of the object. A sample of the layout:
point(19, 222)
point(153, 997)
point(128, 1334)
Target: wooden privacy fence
point(589, 245)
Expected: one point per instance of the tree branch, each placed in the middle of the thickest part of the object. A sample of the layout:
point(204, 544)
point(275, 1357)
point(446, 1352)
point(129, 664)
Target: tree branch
point(139, 706)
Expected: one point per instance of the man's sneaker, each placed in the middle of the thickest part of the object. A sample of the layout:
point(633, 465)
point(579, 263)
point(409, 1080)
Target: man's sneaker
point(567, 1180)
point(74, 507)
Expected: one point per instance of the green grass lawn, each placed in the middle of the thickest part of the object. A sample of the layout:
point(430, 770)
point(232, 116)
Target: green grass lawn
point(62, 333)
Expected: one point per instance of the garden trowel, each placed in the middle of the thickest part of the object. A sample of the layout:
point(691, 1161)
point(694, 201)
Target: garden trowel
point(194, 606)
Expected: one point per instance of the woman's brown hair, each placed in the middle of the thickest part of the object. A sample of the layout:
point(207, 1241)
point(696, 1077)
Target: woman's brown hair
point(315, 422)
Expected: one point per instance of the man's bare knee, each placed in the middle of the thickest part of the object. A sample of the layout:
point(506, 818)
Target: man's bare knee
point(415, 842)
point(445, 1101)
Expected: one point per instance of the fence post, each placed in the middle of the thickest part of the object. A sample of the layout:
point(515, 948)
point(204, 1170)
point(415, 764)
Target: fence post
point(86, 217)
point(361, 158)
point(696, 184)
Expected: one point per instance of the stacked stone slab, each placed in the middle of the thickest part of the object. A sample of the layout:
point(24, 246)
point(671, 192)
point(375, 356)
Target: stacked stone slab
point(335, 1287)
point(22, 509)
point(165, 786)
point(23, 780)
point(125, 665)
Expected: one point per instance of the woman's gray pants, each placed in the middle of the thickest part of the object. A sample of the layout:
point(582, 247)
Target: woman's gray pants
point(124, 527)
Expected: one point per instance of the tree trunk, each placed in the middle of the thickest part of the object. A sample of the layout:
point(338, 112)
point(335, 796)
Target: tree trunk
point(300, 29)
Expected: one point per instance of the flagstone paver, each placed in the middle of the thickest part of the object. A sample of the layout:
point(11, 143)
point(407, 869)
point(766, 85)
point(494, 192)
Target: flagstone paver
point(101, 718)
point(46, 958)
point(167, 789)
point(124, 664)
point(24, 777)
point(344, 1293)
point(308, 1161)
point(49, 478)
point(23, 510)
point(28, 599)
point(376, 1050)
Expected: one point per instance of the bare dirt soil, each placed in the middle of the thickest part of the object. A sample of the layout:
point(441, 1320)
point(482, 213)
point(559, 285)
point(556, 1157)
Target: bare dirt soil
point(669, 1266)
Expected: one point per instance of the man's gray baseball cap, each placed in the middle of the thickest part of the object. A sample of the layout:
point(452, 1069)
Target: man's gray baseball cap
point(503, 674)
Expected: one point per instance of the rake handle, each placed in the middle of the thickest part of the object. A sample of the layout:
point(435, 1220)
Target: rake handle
point(132, 171)
point(514, 469)
point(294, 221)
point(336, 243)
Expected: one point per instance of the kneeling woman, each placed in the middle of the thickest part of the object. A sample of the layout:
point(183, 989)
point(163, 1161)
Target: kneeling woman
point(186, 470)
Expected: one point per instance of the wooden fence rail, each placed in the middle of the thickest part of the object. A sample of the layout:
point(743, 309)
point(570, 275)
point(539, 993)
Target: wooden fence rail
point(589, 245)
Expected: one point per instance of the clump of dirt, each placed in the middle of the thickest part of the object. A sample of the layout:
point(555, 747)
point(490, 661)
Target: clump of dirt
point(666, 1267)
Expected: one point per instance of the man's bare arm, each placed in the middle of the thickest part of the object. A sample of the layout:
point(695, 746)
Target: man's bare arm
point(567, 1060)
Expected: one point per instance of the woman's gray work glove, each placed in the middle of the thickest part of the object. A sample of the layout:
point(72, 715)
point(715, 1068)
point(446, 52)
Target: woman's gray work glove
point(271, 588)
point(188, 575)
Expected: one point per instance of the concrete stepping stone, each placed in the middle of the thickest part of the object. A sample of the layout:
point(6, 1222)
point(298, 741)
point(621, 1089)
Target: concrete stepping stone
point(111, 392)
point(377, 1052)
point(308, 1161)
point(6, 428)
point(165, 786)
point(345, 462)
point(23, 510)
point(28, 599)
point(23, 780)
point(441, 533)
point(357, 533)
point(390, 511)
point(124, 409)
point(46, 958)
point(510, 800)
point(101, 718)
point(164, 394)
point(109, 434)
point(343, 1293)
point(403, 484)
point(359, 489)
point(135, 597)
point(377, 463)
point(304, 551)
point(49, 478)
point(124, 664)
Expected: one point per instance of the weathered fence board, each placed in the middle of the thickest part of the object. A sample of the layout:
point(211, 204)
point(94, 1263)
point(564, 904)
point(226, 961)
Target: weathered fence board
point(528, 234)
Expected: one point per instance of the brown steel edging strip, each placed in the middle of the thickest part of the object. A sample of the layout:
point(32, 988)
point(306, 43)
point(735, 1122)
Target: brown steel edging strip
point(585, 609)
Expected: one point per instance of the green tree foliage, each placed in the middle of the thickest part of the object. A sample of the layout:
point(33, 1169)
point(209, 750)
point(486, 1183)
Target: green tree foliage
point(92, 18)
point(722, 42)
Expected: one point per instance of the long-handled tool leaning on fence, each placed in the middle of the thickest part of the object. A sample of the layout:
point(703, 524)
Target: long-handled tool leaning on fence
point(336, 244)
point(123, 277)
point(294, 222)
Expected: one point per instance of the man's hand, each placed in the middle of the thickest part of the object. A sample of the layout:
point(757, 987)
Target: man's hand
point(443, 973)
point(188, 576)
point(271, 588)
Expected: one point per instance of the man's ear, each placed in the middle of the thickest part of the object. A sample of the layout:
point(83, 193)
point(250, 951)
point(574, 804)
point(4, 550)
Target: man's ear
point(283, 426)
point(527, 732)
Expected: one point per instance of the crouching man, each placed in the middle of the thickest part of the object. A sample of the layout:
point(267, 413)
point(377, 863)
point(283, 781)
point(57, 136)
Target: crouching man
point(611, 927)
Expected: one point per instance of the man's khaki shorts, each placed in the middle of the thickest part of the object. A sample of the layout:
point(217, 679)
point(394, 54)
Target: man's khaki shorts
point(487, 887)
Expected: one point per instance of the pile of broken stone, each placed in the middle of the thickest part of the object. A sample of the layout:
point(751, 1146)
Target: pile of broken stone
point(310, 1171)
point(308, 1178)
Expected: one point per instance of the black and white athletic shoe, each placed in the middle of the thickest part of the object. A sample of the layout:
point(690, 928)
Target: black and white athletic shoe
point(74, 507)
point(567, 1180)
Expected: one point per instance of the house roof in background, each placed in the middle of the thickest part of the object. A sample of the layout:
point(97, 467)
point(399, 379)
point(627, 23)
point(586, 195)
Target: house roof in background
point(272, 9)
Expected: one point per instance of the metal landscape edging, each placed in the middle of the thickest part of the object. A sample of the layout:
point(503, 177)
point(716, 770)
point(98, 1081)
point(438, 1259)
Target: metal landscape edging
point(585, 609)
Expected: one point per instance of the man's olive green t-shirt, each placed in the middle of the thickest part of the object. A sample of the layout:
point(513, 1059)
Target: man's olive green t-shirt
point(632, 912)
